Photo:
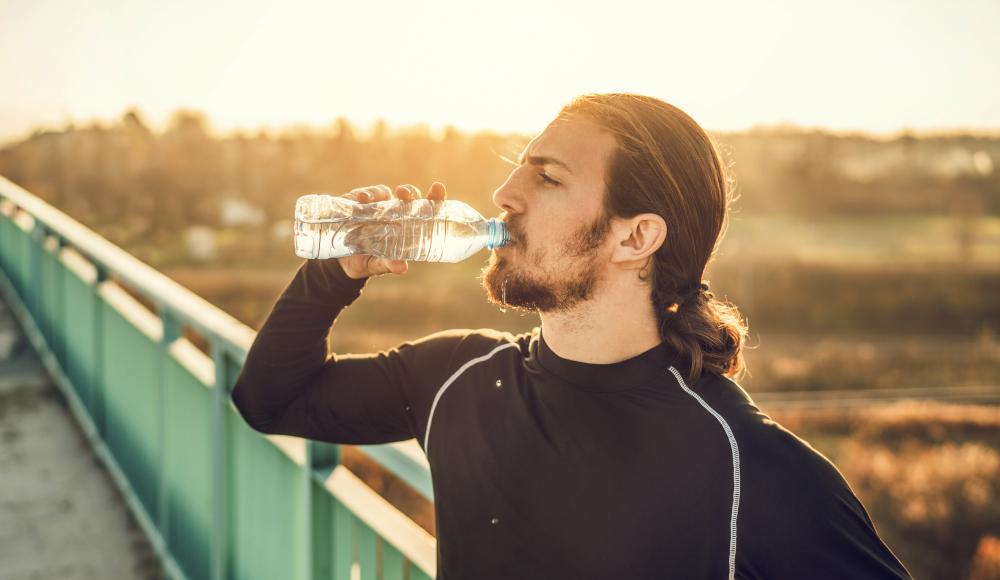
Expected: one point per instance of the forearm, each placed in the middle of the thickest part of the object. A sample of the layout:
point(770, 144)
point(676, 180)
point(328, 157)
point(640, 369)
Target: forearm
point(291, 349)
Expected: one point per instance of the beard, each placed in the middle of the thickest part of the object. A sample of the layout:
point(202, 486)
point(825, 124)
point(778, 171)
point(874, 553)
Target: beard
point(508, 283)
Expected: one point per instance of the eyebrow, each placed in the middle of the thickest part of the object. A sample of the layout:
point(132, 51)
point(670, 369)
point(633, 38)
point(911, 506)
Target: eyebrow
point(536, 160)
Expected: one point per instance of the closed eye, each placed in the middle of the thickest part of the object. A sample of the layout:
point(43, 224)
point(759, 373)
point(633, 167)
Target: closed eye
point(548, 180)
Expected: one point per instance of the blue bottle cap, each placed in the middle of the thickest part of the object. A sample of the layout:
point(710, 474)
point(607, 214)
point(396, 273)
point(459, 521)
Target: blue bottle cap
point(499, 235)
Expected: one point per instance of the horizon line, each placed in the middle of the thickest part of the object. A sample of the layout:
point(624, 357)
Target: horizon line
point(365, 132)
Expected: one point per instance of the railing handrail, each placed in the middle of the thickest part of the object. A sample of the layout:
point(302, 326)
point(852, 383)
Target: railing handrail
point(183, 303)
point(229, 339)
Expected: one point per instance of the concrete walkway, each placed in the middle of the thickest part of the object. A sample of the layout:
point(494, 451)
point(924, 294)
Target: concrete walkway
point(61, 516)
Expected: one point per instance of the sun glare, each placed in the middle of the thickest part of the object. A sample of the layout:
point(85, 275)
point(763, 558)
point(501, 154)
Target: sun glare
point(875, 65)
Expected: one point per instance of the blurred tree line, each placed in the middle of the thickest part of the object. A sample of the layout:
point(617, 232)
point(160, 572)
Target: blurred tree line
point(125, 173)
point(820, 174)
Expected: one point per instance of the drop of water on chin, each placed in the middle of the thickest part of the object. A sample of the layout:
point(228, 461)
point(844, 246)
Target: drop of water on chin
point(503, 297)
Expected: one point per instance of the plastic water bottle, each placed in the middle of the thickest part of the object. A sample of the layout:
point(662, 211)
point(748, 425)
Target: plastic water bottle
point(422, 230)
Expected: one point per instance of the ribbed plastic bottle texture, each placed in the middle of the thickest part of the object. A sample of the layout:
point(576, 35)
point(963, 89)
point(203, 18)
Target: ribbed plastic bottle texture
point(421, 230)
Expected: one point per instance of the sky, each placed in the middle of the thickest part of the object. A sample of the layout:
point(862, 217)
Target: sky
point(878, 66)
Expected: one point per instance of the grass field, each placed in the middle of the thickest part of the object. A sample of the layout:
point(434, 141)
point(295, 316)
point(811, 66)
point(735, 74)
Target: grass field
point(855, 240)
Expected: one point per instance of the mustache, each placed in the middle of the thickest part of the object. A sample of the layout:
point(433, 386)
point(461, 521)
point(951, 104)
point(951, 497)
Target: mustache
point(513, 227)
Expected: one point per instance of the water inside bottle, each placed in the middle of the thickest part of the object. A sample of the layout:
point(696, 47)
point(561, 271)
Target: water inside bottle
point(409, 238)
point(421, 230)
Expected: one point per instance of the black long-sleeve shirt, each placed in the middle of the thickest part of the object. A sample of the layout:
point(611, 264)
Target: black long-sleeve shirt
point(545, 467)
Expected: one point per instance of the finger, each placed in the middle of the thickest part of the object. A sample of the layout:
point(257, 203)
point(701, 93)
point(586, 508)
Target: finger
point(372, 194)
point(407, 192)
point(437, 191)
point(380, 193)
point(378, 266)
point(359, 194)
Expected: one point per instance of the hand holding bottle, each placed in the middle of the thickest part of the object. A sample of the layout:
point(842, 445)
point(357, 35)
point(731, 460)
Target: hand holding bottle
point(363, 266)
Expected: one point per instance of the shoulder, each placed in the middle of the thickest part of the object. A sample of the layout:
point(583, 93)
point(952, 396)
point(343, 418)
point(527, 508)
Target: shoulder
point(450, 350)
point(796, 510)
point(782, 476)
point(768, 451)
point(422, 365)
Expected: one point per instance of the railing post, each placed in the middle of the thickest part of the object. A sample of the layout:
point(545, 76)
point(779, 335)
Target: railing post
point(46, 317)
point(306, 521)
point(321, 458)
point(58, 326)
point(34, 293)
point(171, 332)
point(96, 401)
point(225, 376)
point(6, 209)
point(324, 457)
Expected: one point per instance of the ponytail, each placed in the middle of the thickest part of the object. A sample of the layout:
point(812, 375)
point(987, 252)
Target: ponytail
point(707, 335)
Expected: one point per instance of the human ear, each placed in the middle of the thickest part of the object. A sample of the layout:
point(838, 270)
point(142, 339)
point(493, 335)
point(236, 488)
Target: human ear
point(638, 237)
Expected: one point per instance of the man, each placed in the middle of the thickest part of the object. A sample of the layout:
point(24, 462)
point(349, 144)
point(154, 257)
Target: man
point(611, 443)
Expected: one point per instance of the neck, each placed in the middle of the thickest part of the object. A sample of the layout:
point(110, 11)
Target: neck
point(616, 324)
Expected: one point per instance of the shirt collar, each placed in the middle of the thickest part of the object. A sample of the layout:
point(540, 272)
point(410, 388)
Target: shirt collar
point(619, 376)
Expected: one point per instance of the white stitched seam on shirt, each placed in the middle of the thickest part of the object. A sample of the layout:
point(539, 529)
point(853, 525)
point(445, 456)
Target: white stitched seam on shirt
point(736, 472)
point(465, 367)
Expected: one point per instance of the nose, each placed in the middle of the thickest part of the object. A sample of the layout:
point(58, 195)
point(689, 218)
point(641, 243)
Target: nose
point(510, 196)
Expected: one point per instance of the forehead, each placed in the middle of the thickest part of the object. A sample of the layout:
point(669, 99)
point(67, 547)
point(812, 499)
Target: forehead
point(582, 146)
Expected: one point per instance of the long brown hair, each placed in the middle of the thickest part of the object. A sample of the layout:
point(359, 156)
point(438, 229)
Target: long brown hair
point(666, 164)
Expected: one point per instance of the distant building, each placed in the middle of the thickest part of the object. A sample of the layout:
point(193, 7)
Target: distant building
point(282, 230)
point(234, 212)
point(199, 242)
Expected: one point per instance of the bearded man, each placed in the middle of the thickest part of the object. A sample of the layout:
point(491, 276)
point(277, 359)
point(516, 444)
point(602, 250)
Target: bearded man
point(612, 442)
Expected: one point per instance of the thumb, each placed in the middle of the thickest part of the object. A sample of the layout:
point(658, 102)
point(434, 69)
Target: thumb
point(379, 266)
point(397, 266)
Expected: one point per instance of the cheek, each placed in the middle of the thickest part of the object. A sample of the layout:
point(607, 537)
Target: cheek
point(547, 249)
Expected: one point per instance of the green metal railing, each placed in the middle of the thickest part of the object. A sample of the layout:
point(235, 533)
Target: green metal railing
point(217, 499)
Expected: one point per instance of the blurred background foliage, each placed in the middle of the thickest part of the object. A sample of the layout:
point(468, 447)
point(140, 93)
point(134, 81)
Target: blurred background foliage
point(860, 263)
point(929, 475)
